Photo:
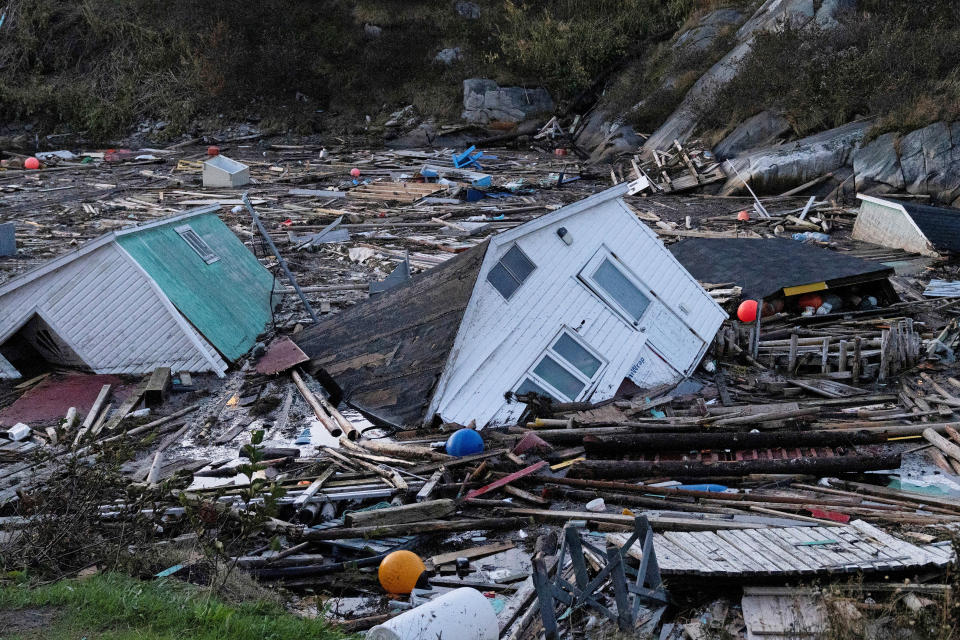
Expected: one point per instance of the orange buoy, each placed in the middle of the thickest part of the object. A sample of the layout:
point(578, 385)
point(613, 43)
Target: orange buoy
point(213, 151)
point(747, 311)
point(743, 216)
point(400, 571)
point(31, 163)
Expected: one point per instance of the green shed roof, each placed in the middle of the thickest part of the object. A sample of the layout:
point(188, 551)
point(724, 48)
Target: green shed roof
point(227, 300)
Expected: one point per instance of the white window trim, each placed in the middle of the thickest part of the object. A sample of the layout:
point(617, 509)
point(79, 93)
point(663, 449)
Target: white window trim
point(585, 278)
point(589, 383)
point(209, 258)
point(501, 263)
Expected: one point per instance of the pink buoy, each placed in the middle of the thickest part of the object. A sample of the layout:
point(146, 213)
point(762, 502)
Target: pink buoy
point(355, 172)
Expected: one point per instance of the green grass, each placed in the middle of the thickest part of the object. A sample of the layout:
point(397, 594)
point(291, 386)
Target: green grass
point(116, 607)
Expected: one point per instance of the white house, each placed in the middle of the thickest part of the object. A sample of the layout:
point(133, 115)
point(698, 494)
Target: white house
point(180, 292)
point(567, 305)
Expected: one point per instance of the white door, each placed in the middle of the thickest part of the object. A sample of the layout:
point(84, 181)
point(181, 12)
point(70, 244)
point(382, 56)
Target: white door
point(671, 338)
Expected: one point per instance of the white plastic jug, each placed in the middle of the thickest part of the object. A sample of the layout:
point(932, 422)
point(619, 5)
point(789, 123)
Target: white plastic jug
point(461, 614)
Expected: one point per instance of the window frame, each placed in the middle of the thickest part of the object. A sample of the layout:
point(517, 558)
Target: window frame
point(208, 258)
point(589, 382)
point(585, 276)
point(506, 268)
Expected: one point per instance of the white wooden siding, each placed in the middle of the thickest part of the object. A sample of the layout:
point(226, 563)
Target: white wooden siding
point(108, 311)
point(888, 224)
point(499, 340)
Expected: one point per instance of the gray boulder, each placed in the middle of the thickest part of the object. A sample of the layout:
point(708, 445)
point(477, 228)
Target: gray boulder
point(607, 137)
point(484, 101)
point(448, 56)
point(470, 10)
point(779, 168)
point(760, 130)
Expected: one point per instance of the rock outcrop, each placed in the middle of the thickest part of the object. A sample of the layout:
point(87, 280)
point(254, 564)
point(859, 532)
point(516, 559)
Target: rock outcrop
point(773, 13)
point(758, 131)
point(485, 101)
point(923, 162)
point(776, 169)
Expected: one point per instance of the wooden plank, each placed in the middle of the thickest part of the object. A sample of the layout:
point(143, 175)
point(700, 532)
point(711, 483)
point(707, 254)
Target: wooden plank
point(127, 405)
point(415, 512)
point(470, 554)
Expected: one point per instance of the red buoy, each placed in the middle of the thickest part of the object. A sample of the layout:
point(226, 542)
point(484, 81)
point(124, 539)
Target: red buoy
point(747, 311)
point(31, 163)
point(213, 151)
point(743, 216)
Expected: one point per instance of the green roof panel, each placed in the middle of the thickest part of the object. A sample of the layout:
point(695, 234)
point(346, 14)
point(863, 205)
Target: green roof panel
point(216, 283)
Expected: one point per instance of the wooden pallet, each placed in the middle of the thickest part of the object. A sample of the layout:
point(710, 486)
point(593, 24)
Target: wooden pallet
point(787, 551)
point(394, 191)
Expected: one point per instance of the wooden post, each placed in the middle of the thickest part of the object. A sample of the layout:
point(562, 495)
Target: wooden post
point(824, 355)
point(855, 371)
point(884, 355)
point(792, 366)
point(842, 360)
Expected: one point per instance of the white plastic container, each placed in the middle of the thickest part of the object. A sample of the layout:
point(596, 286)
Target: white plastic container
point(461, 614)
point(19, 431)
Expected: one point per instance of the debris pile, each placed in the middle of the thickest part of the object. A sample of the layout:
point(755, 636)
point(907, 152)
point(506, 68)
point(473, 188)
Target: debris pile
point(409, 464)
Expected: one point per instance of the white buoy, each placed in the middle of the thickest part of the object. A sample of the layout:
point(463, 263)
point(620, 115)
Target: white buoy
point(461, 614)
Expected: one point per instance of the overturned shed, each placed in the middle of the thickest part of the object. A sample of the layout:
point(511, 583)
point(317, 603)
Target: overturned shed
point(918, 228)
point(566, 306)
point(766, 267)
point(181, 292)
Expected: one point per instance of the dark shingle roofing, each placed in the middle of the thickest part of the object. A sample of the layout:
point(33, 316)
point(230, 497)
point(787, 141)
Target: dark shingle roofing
point(765, 266)
point(940, 225)
point(386, 353)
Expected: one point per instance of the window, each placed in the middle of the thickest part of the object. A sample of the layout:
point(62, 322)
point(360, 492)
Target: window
point(510, 272)
point(564, 371)
point(197, 243)
point(609, 279)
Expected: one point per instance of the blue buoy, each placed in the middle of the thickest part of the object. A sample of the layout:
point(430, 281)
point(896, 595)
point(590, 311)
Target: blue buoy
point(464, 442)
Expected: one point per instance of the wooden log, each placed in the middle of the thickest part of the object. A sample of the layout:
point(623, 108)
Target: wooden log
point(764, 417)
point(657, 522)
point(691, 468)
point(947, 447)
point(944, 502)
point(345, 425)
point(416, 512)
point(650, 442)
point(699, 496)
point(431, 526)
point(407, 451)
point(335, 430)
point(386, 473)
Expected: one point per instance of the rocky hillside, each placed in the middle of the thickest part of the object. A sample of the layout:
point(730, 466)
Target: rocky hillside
point(787, 90)
point(792, 90)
